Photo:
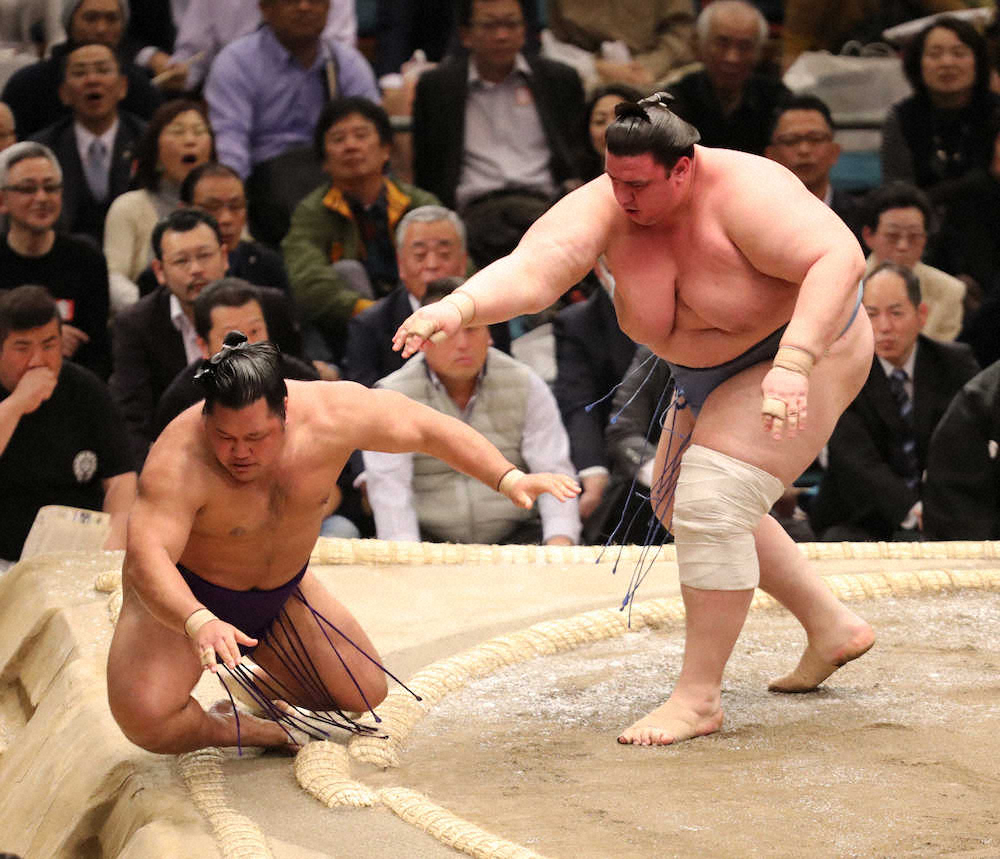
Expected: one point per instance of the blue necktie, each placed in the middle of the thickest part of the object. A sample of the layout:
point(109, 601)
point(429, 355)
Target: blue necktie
point(911, 466)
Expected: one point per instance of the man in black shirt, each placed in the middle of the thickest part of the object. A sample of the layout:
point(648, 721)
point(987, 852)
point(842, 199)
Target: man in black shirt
point(729, 104)
point(32, 252)
point(61, 439)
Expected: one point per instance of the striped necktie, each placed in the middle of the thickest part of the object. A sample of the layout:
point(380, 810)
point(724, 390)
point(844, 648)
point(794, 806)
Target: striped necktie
point(910, 464)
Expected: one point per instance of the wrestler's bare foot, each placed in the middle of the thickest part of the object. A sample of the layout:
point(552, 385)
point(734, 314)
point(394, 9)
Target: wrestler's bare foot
point(670, 723)
point(254, 731)
point(820, 660)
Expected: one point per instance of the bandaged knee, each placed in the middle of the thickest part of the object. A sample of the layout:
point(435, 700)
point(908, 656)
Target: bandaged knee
point(718, 504)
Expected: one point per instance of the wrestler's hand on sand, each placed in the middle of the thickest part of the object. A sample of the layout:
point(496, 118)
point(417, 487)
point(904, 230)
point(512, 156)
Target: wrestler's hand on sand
point(219, 638)
point(783, 408)
point(528, 488)
point(429, 324)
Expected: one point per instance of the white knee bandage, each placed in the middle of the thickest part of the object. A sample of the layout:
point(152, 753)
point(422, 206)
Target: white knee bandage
point(718, 503)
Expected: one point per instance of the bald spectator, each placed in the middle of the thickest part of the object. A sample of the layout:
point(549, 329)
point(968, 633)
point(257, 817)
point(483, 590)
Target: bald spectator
point(61, 439)
point(33, 252)
point(897, 219)
point(802, 139)
point(8, 128)
point(96, 144)
point(729, 103)
point(265, 91)
point(33, 92)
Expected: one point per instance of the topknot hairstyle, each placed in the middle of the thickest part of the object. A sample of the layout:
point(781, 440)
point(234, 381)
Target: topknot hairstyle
point(650, 126)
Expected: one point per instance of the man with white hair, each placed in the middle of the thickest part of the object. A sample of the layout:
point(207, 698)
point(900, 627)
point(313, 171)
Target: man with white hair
point(729, 104)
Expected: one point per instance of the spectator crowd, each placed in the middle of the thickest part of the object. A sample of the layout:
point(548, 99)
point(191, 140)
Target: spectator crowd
point(312, 171)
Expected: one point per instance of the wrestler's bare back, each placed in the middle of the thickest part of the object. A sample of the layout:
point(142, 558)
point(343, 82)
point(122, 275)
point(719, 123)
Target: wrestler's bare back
point(687, 287)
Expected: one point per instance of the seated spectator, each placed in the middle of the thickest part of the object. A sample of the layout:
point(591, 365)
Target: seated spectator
point(430, 244)
point(897, 218)
point(32, 252)
point(230, 304)
point(827, 25)
point(266, 90)
point(61, 438)
point(962, 487)
point(943, 130)
point(878, 450)
point(207, 26)
point(496, 135)
point(96, 144)
point(218, 190)
point(968, 241)
point(631, 435)
point(801, 139)
point(33, 92)
point(727, 101)
point(177, 140)
point(8, 130)
point(657, 35)
point(155, 338)
point(414, 498)
point(598, 114)
point(340, 248)
point(592, 356)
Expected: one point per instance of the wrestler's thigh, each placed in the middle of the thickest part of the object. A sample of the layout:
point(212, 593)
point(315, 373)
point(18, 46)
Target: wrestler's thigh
point(674, 439)
point(151, 669)
point(337, 664)
point(730, 420)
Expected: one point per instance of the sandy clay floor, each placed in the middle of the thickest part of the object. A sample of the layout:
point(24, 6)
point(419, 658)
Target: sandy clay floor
point(897, 756)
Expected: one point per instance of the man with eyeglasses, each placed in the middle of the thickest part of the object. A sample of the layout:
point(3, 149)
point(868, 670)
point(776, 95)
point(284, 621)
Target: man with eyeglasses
point(95, 145)
point(155, 338)
point(496, 135)
point(896, 221)
point(873, 487)
point(33, 92)
point(727, 101)
point(32, 252)
point(802, 140)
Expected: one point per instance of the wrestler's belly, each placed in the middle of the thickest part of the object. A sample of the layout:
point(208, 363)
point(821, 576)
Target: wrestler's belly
point(263, 560)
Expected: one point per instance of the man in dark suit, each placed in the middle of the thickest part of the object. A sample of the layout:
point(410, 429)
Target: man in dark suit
point(95, 145)
point(878, 451)
point(592, 355)
point(496, 135)
point(155, 338)
point(430, 244)
point(32, 92)
point(802, 140)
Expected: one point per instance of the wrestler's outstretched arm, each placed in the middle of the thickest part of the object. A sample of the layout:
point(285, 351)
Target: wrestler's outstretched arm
point(416, 428)
point(169, 496)
point(805, 243)
point(552, 256)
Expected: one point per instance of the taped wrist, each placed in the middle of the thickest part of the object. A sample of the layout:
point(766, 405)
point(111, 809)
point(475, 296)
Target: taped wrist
point(196, 620)
point(794, 358)
point(718, 503)
point(510, 477)
point(464, 303)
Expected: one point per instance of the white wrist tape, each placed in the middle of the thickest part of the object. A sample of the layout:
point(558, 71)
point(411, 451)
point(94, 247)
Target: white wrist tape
point(507, 482)
point(196, 620)
point(718, 503)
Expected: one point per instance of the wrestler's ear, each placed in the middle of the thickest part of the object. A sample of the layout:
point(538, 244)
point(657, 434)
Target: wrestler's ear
point(203, 345)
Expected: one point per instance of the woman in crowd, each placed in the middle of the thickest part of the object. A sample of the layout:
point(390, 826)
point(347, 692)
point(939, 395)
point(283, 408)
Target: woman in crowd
point(178, 139)
point(599, 114)
point(942, 131)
